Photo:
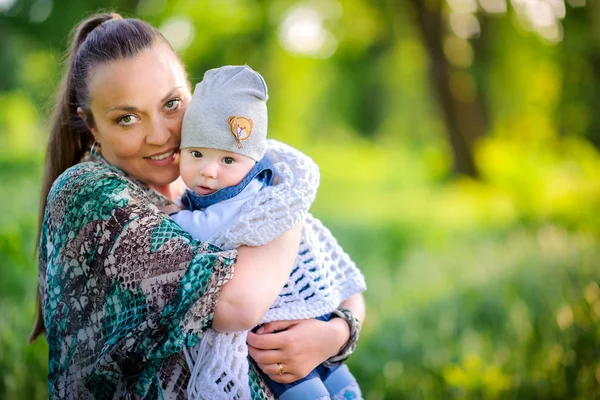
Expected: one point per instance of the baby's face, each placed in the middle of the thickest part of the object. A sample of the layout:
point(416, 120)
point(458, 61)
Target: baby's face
point(207, 170)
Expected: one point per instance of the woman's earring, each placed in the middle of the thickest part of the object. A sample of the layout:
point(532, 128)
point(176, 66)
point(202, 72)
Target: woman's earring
point(93, 150)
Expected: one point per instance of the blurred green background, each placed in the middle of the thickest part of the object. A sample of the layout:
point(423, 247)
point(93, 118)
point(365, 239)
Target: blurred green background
point(458, 143)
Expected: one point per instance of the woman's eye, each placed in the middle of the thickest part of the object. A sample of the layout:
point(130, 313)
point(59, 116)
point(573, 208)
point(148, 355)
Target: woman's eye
point(127, 120)
point(173, 104)
point(228, 160)
point(196, 154)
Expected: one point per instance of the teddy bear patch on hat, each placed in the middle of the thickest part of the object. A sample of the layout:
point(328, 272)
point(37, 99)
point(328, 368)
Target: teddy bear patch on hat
point(228, 111)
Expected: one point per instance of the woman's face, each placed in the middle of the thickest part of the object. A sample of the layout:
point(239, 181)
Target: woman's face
point(138, 105)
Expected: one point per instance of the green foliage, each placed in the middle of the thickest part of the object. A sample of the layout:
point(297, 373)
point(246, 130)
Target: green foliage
point(23, 367)
point(478, 289)
point(507, 315)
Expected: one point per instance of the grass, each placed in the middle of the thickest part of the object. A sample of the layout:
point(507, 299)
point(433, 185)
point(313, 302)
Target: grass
point(470, 296)
point(510, 316)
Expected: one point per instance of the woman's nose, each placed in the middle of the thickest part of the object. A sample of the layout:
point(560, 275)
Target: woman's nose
point(158, 132)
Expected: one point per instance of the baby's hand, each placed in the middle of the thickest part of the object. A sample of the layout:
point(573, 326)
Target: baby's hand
point(170, 209)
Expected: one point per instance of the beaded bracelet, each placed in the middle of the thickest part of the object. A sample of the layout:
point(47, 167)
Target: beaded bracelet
point(354, 326)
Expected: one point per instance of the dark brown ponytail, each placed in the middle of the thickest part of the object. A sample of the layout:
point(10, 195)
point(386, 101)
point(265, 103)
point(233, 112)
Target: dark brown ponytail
point(98, 39)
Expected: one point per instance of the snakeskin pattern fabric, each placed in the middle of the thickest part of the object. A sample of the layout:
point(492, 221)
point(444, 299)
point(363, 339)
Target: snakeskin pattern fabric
point(123, 289)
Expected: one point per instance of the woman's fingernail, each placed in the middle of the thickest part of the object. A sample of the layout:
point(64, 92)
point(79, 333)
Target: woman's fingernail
point(260, 330)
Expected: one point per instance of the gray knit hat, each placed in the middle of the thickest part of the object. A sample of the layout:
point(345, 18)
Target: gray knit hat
point(228, 111)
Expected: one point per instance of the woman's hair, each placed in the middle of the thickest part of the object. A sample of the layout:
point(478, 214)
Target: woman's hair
point(97, 40)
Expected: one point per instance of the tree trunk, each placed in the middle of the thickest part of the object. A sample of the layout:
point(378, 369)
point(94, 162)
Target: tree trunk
point(464, 118)
point(580, 98)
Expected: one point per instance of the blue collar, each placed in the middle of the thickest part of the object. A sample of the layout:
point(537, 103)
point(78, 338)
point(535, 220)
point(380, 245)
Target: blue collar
point(262, 170)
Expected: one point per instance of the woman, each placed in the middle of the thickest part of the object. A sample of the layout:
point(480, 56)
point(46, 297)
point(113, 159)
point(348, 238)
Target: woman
point(123, 289)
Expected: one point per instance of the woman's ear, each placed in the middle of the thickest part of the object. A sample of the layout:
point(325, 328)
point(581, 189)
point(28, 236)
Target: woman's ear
point(84, 119)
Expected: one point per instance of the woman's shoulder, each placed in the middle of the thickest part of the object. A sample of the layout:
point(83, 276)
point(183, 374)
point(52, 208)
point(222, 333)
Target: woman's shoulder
point(85, 172)
point(89, 180)
point(92, 169)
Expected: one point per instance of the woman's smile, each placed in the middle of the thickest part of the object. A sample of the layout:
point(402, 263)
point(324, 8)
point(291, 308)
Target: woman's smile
point(163, 158)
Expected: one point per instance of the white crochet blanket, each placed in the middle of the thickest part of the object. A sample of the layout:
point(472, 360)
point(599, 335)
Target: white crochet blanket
point(324, 275)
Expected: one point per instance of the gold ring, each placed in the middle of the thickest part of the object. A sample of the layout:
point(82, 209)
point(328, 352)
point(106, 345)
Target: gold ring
point(280, 368)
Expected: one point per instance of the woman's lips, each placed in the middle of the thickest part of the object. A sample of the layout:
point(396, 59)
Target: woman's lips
point(163, 158)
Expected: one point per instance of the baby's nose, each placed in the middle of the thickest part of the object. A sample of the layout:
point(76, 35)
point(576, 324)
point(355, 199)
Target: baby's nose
point(209, 170)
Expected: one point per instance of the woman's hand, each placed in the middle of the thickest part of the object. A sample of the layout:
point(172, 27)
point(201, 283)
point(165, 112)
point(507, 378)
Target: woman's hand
point(298, 346)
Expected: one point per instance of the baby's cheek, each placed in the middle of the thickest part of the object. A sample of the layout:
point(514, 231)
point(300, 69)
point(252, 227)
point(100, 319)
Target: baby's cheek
point(187, 172)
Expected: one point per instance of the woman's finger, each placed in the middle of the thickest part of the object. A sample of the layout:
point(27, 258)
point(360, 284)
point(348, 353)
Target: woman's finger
point(273, 368)
point(290, 374)
point(275, 326)
point(265, 356)
point(285, 378)
point(265, 342)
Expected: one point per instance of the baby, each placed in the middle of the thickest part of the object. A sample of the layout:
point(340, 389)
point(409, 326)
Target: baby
point(237, 195)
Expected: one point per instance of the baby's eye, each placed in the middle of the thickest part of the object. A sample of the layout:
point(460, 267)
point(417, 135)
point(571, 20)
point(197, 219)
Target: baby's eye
point(228, 160)
point(173, 104)
point(126, 120)
point(196, 154)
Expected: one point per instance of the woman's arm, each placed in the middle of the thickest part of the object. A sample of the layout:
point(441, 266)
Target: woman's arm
point(356, 304)
point(301, 345)
point(260, 274)
point(124, 280)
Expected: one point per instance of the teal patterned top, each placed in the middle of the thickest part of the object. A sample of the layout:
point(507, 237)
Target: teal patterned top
point(123, 289)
